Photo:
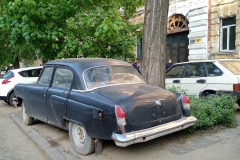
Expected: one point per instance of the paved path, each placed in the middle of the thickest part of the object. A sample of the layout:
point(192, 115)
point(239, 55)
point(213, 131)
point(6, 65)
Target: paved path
point(14, 143)
point(224, 145)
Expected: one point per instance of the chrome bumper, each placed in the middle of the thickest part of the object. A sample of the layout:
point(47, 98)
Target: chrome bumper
point(144, 135)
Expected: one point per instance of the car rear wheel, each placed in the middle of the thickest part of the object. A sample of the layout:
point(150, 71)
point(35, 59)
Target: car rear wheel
point(25, 118)
point(10, 100)
point(80, 140)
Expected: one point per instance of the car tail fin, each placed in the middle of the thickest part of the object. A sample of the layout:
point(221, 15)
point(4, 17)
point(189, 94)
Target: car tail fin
point(120, 116)
point(186, 102)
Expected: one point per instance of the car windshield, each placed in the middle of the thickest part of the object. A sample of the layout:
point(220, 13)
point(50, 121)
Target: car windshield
point(7, 75)
point(232, 66)
point(111, 75)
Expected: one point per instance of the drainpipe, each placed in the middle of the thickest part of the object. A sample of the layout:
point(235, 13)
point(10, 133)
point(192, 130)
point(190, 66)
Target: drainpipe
point(209, 30)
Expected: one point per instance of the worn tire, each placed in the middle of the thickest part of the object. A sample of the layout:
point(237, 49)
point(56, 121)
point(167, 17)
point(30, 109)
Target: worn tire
point(10, 100)
point(81, 142)
point(25, 118)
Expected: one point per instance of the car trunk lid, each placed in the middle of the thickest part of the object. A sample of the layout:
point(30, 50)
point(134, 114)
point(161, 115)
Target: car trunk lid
point(144, 103)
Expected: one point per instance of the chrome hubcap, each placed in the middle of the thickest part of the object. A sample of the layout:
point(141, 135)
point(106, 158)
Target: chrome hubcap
point(78, 133)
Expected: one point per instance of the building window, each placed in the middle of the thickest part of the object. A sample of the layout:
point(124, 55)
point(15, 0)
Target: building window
point(228, 34)
point(139, 49)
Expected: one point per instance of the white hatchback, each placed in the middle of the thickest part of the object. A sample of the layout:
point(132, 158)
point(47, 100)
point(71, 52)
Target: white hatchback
point(202, 78)
point(15, 76)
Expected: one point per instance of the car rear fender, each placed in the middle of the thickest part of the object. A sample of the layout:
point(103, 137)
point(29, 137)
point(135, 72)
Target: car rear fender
point(93, 112)
point(185, 112)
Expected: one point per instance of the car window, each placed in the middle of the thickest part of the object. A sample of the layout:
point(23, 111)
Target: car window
point(111, 75)
point(232, 66)
point(29, 73)
point(39, 71)
point(175, 71)
point(46, 76)
point(75, 84)
point(195, 70)
point(63, 78)
point(7, 75)
point(213, 70)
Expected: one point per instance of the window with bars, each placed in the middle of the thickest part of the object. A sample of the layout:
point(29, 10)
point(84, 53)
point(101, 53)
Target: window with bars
point(228, 34)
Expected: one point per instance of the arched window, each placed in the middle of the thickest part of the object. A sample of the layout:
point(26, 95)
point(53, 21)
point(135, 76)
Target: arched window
point(177, 23)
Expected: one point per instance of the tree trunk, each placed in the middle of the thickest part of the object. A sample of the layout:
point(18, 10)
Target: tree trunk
point(154, 42)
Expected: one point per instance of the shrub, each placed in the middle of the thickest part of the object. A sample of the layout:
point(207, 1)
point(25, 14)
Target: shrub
point(177, 90)
point(211, 110)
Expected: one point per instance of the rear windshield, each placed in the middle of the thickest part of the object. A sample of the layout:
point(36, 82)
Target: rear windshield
point(232, 66)
point(111, 75)
point(7, 75)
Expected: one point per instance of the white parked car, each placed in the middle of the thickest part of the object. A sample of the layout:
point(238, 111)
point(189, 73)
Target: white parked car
point(202, 78)
point(15, 76)
point(2, 72)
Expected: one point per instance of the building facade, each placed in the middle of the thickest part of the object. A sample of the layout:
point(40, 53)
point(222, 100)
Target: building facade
point(196, 30)
point(225, 29)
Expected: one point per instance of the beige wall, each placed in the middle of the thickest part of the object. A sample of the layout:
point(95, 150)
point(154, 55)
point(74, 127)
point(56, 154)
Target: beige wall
point(221, 9)
point(137, 19)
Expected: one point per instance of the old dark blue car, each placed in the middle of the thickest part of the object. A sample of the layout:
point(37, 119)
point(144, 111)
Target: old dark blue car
point(102, 99)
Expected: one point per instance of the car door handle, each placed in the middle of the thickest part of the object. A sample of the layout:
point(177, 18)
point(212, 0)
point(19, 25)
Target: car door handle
point(202, 81)
point(176, 81)
point(45, 91)
point(66, 93)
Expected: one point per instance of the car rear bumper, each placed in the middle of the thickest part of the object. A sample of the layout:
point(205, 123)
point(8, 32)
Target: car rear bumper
point(140, 136)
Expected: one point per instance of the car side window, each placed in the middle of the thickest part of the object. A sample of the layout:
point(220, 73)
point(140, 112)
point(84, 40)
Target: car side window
point(46, 76)
point(75, 84)
point(213, 70)
point(39, 71)
point(29, 73)
point(175, 71)
point(63, 78)
point(195, 70)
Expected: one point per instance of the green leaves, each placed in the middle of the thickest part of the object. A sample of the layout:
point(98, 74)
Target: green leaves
point(214, 110)
point(58, 28)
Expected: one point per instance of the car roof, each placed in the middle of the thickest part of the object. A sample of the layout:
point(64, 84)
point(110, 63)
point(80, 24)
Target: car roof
point(85, 63)
point(79, 65)
point(215, 60)
point(26, 68)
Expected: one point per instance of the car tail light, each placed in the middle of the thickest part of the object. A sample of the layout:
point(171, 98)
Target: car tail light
point(236, 87)
point(6, 81)
point(186, 102)
point(120, 116)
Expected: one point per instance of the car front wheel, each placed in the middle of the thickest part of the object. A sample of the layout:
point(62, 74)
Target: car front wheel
point(25, 118)
point(81, 142)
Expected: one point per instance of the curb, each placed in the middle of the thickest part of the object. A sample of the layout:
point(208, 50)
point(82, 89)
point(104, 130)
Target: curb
point(40, 141)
